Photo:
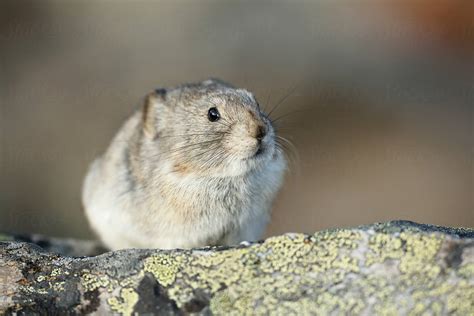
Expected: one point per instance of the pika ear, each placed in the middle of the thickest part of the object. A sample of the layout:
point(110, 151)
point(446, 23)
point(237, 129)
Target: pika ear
point(154, 108)
point(217, 82)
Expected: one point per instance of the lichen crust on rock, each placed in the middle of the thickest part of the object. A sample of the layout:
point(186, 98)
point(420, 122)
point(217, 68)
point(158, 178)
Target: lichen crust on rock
point(388, 269)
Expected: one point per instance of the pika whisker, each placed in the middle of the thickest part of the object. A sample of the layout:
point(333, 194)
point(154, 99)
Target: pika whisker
point(292, 90)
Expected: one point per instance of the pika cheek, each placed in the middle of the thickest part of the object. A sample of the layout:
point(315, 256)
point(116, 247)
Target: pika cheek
point(241, 146)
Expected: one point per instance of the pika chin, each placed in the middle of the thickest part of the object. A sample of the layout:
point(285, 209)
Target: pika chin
point(197, 165)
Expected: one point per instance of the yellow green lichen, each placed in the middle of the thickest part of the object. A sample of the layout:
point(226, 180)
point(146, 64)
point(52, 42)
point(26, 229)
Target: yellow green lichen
point(58, 286)
point(164, 268)
point(461, 300)
point(415, 252)
point(221, 302)
point(125, 302)
point(467, 271)
point(57, 272)
point(437, 308)
point(332, 271)
point(386, 309)
point(131, 281)
point(91, 282)
point(419, 254)
point(418, 309)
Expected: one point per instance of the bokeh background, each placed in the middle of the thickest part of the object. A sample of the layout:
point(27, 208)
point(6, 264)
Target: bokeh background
point(379, 107)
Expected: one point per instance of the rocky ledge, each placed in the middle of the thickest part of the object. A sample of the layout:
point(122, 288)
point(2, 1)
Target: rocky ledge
point(384, 269)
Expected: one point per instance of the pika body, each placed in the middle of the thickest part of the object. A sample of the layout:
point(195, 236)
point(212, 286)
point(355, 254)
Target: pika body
point(196, 165)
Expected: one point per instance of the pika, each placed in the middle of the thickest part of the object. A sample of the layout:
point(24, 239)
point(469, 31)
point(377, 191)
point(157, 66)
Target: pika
point(196, 165)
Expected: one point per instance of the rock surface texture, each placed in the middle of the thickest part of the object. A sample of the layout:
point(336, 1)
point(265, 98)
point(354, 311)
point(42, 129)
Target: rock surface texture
point(384, 269)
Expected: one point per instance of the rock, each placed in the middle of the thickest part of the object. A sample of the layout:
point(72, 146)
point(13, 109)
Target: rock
point(384, 269)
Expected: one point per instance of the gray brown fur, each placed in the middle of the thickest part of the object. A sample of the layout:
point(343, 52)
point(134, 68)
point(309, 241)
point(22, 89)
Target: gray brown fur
point(173, 179)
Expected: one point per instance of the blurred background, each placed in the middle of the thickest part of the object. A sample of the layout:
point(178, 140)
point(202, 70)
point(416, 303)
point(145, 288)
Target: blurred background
point(379, 106)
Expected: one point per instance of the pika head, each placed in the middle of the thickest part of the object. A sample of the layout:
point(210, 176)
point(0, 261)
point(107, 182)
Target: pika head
point(208, 128)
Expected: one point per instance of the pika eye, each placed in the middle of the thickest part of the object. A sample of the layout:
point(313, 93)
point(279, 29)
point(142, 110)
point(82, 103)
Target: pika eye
point(213, 114)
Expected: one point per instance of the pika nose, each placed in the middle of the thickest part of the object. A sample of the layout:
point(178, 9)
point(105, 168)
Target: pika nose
point(261, 132)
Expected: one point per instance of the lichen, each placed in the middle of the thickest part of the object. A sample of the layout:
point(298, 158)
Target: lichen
point(381, 269)
point(58, 286)
point(260, 273)
point(467, 271)
point(125, 302)
point(275, 276)
point(164, 267)
point(90, 282)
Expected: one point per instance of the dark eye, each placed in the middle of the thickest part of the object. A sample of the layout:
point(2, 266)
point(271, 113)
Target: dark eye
point(213, 114)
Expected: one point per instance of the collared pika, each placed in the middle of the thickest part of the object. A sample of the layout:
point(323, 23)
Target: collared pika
point(196, 165)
